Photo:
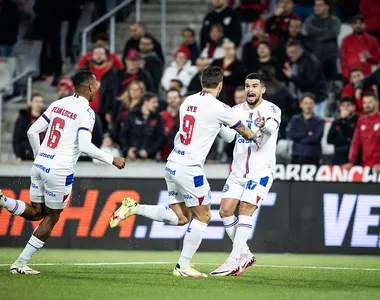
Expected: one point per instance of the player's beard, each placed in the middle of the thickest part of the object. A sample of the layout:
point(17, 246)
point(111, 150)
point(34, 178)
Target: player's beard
point(252, 98)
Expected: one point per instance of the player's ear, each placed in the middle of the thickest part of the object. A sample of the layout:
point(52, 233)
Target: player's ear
point(263, 90)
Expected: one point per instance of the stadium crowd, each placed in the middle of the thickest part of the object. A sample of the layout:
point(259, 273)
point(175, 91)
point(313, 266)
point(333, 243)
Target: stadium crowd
point(293, 43)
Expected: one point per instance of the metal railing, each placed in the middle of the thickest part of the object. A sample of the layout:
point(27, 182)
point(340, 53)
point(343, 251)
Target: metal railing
point(111, 15)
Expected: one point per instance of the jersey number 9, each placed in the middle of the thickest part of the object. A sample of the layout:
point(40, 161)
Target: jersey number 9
point(187, 127)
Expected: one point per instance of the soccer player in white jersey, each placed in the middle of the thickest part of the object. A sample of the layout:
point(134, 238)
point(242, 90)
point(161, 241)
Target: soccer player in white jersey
point(201, 117)
point(252, 173)
point(69, 123)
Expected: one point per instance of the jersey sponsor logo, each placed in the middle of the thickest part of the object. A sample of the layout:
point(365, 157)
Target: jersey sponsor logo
point(179, 152)
point(256, 122)
point(45, 155)
point(43, 168)
point(241, 140)
point(226, 188)
point(170, 171)
point(361, 210)
point(274, 109)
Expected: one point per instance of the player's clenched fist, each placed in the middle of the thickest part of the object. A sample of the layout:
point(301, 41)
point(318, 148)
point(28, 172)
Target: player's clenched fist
point(119, 162)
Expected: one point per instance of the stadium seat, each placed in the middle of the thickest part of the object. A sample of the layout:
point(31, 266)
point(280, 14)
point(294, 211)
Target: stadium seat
point(7, 71)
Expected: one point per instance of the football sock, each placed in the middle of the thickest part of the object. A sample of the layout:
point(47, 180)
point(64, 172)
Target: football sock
point(158, 213)
point(191, 242)
point(15, 207)
point(34, 244)
point(241, 236)
point(231, 224)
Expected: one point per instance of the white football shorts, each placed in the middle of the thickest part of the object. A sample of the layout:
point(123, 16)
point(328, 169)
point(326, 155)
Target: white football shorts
point(251, 190)
point(50, 186)
point(187, 184)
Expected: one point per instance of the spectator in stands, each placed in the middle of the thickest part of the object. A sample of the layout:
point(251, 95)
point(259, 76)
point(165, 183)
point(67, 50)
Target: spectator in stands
point(233, 71)
point(105, 74)
point(214, 47)
point(264, 58)
point(239, 95)
point(152, 63)
point(367, 135)
point(9, 21)
point(367, 82)
point(306, 131)
point(177, 85)
point(195, 83)
point(65, 88)
point(27, 117)
point(278, 93)
point(180, 69)
point(101, 40)
point(305, 75)
point(170, 117)
point(225, 16)
point(133, 72)
point(370, 10)
point(249, 55)
point(143, 132)
point(359, 49)
point(136, 32)
point(322, 30)
point(342, 130)
point(277, 25)
point(356, 75)
point(109, 147)
point(188, 40)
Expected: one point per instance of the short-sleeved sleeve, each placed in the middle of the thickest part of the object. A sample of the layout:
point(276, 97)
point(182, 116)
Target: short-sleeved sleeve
point(87, 120)
point(227, 116)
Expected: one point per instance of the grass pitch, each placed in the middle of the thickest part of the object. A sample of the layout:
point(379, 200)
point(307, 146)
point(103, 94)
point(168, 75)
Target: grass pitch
point(92, 274)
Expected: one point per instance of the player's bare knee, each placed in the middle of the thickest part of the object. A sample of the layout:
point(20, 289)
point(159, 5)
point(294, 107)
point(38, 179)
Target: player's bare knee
point(247, 209)
point(183, 220)
point(225, 212)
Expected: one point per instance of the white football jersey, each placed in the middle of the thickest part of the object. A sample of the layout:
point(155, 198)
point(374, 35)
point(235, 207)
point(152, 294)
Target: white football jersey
point(60, 148)
point(249, 161)
point(201, 117)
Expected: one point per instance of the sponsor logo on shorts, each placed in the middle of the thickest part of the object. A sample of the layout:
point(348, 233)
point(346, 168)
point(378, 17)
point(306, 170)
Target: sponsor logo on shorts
point(172, 193)
point(50, 194)
point(250, 185)
point(41, 167)
point(226, 188)
point(187, 197)
point(170, 171)
point(45, 155)
point(179, 152)
point(34, 186)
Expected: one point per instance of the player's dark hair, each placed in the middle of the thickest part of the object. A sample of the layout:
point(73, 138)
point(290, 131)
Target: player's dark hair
point(189, 29)
point(308, 95)
point(370, 94)
point(174, 90)
point(256, 76)
point(82, 78)
point(211, 77)
point(348, 99)
point(177, 81)
point(148, 96)
point(101, 37)
point(353, 70)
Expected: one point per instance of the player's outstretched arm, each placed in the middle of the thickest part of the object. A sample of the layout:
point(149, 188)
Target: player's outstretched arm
point(33, 133)
point(247, 134)
point(86, 146)
point(227, 134)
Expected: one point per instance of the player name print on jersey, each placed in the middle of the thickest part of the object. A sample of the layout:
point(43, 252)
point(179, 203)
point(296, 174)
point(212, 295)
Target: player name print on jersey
point(64, 112)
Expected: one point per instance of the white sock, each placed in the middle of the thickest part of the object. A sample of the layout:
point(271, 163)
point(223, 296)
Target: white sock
point(15, 207)
point(231, 224)
point(30, 249)
point(242, 234)
point(191, 242)
point(157, 213)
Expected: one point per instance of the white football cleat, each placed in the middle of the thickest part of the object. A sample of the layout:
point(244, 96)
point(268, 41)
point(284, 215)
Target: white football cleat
point(23, 269)
point(229, 268)
point(188, 272)
point(126, 210)
point(246, 260)
point(2, 202)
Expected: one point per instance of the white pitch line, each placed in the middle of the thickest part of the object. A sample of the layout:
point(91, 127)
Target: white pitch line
point(213, 264)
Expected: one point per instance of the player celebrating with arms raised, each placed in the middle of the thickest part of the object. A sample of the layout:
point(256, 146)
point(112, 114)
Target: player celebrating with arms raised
point(201, 117)
point(69, 123)
point(252, 173)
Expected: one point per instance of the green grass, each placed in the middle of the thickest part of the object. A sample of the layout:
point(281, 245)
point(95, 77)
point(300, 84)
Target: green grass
point(277, 276)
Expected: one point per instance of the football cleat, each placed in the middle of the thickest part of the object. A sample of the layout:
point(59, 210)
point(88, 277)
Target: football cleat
point(246, 260)
point(2, 202)
point(23, 269)
point(229, 268)
point(187, 272)
point(126, 210)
